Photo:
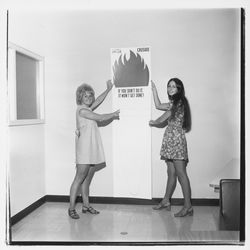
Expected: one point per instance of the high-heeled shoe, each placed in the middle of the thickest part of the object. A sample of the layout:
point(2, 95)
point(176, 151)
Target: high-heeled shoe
point(73, 214)
point(185, 212)
point(90, 210)
point(161, 206)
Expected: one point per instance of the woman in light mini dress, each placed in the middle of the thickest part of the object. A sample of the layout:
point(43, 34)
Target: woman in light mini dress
point(89, 148)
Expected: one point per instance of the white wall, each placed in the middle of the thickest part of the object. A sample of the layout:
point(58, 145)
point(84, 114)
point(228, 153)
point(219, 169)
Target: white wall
point(200, 47)
point(26, 166)
point(26, 158)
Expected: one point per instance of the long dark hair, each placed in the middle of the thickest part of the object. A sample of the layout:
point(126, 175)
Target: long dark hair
point(180, 99)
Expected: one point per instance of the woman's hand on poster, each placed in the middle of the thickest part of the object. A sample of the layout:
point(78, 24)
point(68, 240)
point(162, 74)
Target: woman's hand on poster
point(153, 85)
point(151, 123)
point(116, 114)
point(77, 132)
point(109, 85)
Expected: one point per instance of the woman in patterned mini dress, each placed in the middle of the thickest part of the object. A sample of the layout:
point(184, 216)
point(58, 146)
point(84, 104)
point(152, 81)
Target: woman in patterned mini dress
point(174, 145)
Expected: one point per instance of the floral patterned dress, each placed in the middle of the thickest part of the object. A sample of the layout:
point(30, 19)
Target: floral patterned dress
point(174, 144)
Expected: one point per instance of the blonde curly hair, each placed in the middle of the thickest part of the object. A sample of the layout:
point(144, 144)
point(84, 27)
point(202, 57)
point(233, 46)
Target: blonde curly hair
point(81, 91)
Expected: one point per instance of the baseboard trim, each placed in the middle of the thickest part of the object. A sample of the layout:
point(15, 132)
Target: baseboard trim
point(14, 219)
point(106, 200)
point(133, 201)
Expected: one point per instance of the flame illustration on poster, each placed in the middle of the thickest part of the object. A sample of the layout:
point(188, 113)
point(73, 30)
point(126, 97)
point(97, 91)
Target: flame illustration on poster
point(130, 73)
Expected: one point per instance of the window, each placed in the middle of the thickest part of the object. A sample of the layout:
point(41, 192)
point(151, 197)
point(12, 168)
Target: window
point(26, 86)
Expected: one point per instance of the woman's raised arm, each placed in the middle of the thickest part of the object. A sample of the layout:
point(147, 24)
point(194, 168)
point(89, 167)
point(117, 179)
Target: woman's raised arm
point(158, 104)
point(102, 96)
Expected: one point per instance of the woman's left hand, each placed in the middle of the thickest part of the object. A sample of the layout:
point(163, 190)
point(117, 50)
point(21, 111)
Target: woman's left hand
point(109, 85)
point(151, 123)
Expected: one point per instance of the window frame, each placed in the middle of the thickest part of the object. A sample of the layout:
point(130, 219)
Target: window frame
point(13, 49)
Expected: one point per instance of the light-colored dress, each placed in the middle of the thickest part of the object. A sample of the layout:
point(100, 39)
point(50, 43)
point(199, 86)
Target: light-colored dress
point(174, 144)
point(88, 142)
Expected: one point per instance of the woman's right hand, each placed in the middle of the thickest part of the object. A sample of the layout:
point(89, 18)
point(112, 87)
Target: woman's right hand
point(109, 85)
point(77, 132)
point(153, 85)
point(116, 114)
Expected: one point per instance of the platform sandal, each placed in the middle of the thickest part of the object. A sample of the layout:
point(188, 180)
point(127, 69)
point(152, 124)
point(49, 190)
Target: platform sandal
point(73, 214)
point(90, 210)
point(161, 206)
point(185, 212)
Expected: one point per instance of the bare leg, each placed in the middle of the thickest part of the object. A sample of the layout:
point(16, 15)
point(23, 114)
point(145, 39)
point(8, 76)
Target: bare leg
point(180, 167)
point(81, 173)
point(181, 172)
point(171, 182)
point(86, 184)
point(85, 187)
point(170, 187)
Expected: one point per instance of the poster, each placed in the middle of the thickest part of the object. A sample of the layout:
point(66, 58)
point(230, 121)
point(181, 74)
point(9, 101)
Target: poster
point(130, 73)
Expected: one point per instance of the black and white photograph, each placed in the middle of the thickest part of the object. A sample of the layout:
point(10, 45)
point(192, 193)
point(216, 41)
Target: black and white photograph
point(123, 126)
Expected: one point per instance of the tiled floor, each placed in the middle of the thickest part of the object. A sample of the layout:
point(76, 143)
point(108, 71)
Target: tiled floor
point(121, 223)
